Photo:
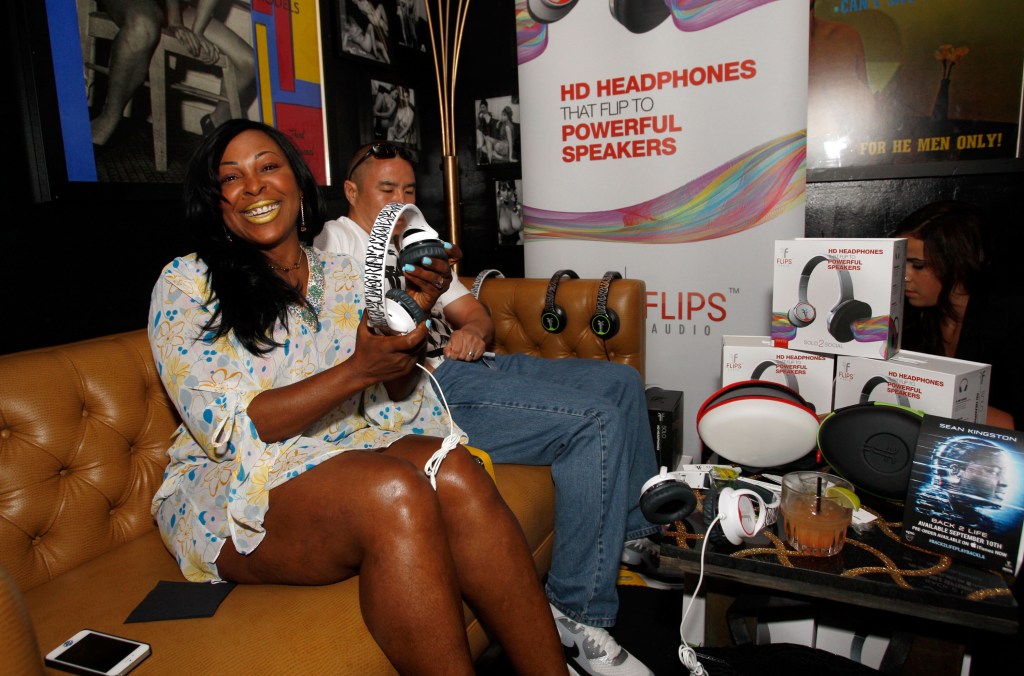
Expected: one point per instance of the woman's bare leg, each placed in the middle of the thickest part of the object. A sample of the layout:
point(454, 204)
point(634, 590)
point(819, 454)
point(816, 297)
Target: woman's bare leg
point(375, 515)
point(495, 569)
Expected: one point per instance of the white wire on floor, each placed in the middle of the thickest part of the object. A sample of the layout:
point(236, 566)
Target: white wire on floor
point(687, 655)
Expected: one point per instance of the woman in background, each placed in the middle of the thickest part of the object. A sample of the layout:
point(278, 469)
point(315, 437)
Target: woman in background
point(954, 309)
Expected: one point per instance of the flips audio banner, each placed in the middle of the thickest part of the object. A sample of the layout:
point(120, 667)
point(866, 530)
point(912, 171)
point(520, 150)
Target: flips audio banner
point(666, 139)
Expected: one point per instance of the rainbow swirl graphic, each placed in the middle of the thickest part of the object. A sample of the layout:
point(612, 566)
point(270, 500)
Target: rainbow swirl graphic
point(531, 36)
point(695, 15)
point(751, 189)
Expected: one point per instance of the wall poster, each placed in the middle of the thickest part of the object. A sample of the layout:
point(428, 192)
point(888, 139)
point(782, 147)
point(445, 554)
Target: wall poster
point(132, 112)
point(666, 141)
point(898, 85)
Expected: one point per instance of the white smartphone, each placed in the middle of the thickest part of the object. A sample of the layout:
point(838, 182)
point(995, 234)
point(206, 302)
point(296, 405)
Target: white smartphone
point(93, 652)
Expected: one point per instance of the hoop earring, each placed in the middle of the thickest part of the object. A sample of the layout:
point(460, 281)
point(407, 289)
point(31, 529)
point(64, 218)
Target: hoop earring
point(227, 233)
point(302, 216)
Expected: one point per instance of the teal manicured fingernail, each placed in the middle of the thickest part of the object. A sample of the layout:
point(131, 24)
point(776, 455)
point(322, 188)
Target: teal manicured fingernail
point(427, 261)
point(430, 324)
point(407, 268)
point(447, 245)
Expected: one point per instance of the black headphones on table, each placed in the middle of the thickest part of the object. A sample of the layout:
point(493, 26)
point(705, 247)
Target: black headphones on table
point(843, 314)
point(875, 381)
point(666, 498)
point(552, 317)
point(388, 307)
point(605, 322)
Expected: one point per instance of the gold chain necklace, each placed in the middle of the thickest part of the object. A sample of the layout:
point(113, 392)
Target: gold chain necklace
point(288, 268)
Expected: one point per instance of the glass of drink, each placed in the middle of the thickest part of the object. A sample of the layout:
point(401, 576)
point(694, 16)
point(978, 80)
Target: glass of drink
point(816, 509)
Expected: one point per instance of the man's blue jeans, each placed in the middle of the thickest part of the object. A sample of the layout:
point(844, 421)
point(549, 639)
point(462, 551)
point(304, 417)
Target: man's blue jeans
point(588, 420)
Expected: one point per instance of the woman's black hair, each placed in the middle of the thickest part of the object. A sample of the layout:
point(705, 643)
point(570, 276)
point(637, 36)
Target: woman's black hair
point(954, 248)
point(247, 297)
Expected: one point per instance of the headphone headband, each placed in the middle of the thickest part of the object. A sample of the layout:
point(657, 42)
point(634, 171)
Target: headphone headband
point(603, 289)
point(845, 280)
point(604, 322)
point(875, 381)
point(479, 281)
point(552, 318)
point(376, 270)
point(760, 369)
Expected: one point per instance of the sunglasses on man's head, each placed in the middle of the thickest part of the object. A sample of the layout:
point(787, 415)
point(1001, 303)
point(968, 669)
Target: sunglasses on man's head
point(381, 151)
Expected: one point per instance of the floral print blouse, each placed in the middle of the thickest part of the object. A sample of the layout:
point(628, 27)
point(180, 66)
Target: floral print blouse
point(217, 483)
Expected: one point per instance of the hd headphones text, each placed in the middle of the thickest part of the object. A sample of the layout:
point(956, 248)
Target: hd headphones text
point(388, 307)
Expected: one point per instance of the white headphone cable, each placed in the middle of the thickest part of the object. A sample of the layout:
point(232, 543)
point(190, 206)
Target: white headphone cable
point(451, 441)
point(687, 655)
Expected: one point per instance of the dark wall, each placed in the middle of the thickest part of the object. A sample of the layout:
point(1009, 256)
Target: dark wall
point(83, 267)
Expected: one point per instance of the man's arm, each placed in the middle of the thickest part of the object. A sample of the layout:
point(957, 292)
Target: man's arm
point(473, 329)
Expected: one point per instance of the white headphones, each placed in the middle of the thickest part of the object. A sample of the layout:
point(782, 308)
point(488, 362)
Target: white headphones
point(668, 496)
point(388, 307)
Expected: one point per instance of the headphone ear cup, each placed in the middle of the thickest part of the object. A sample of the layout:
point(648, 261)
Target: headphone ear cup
point(668, 501)
point(801, 314)
point(840, 323)
point(605, 324)
point(403, 313)
point(553, 318)
point(414, 253)
point(739, 518)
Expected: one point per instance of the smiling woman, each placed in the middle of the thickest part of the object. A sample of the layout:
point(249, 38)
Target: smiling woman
point(289, 401)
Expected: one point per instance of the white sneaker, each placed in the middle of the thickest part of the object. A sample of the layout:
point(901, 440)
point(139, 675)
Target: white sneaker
point(642, 552)
point(592, 650)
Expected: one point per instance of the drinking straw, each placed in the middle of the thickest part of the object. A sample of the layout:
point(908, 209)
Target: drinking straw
point(817, 499)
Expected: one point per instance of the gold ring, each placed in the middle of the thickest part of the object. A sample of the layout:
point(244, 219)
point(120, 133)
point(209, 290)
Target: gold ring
point(471, 355)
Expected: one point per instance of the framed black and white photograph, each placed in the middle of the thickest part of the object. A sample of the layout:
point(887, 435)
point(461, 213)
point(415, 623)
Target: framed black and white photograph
point(508, 195)
point(365, 30)
point(131, 112)
point(413, 31)
point(497, 130)
point(393, 113)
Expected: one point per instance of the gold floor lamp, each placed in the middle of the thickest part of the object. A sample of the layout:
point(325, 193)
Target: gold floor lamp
point(446, 20)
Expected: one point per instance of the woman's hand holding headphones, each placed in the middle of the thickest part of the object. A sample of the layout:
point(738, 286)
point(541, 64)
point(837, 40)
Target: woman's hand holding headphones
point(430, 278)
point(383, 358)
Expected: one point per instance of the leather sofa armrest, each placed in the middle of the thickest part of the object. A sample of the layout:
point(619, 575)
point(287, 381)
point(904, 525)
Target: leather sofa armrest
point(19, 649)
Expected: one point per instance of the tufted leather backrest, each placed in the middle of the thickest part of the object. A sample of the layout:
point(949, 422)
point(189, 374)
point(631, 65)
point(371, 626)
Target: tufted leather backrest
point(84, 429)
point(516, 306)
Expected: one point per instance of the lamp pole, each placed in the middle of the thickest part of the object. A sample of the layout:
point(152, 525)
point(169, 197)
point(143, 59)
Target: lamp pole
point(446, 20)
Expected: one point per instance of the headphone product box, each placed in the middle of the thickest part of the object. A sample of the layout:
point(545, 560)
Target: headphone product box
point(756, 358)
point(839, 296)
point(953, 388)
point(665, 413)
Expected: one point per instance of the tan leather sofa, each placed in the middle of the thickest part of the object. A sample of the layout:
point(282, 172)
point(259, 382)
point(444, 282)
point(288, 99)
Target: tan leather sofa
point(83, 431)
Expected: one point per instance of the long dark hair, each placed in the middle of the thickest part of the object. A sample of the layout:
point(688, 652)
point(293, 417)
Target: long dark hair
point(245, 294)
point(954, 246)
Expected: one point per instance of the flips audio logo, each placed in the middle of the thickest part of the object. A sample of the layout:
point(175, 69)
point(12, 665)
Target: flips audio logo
point(733, 362)
point(685, 312)
point(844, 374)
point(782, 256)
